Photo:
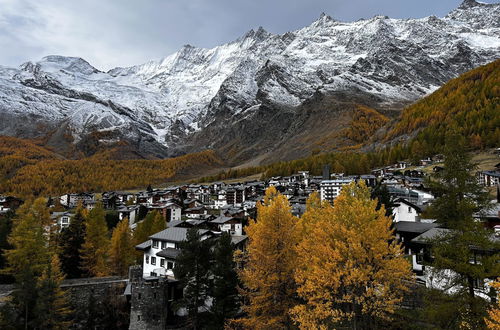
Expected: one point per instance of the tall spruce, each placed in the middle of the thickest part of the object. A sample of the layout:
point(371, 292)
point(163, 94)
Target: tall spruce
point(71, 240)
point(467, 248)
point(269, 285)
point(192, 269)
point(226, 300)
point(95, 249)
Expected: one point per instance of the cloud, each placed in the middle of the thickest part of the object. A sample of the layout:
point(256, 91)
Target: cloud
point(127, 32)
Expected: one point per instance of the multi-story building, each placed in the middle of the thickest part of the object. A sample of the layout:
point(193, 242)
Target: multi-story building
point(330, 189)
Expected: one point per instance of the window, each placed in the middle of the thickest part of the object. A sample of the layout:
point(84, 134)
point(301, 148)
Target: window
point(147, 259)
point(170, 265)
point(153, 260)
point(409, 209)
point(138, 317)
point(162, 262)
point(155, 244)
point(163, 245)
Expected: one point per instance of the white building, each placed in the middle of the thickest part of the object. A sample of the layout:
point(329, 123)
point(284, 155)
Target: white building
point(406, 211)
point(162, 248)
point(330, 189)
point(231, 225)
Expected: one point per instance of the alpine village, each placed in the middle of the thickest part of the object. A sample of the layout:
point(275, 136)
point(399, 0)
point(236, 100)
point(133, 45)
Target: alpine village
point(345, 175)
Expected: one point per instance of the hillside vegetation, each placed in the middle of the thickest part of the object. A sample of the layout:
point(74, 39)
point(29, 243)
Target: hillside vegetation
point(29, 170)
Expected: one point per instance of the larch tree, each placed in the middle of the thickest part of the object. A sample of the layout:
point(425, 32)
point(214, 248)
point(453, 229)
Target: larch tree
point(269, 285)
point(52, 307)
point(152, 224)
point(159, 223)
point(350, 269)
point(493, 319)
point(95, 249)
point(122, 253)
point(71, 240)
point(28, 258)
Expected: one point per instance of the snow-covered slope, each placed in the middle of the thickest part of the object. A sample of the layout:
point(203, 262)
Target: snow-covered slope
point(162, 103)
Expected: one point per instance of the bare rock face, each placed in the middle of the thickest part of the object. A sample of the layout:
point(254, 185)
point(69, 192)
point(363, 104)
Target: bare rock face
point(263, 94)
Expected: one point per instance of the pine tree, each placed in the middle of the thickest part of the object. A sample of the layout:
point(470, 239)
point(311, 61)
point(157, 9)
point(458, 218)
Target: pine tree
point(71, 240)
point(381, 193)
point(350, 269)
point(459, 197)
point(226, 300)
point(52, 306)
point(268, 273)
point(122, 253)
point(192, 269)
point(95, 249)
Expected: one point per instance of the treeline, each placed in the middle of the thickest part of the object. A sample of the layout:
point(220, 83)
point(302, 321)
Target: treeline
point(29, 170)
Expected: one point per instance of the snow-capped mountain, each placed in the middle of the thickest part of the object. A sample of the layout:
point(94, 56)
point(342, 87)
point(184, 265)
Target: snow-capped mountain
point(232, 96)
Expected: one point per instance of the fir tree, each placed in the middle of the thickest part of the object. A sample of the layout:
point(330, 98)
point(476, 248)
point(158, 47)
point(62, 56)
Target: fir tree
point(192, 269)
point(71, 240)
point(226, 300)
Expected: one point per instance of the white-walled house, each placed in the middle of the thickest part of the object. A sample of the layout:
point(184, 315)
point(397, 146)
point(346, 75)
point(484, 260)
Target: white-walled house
point(62, 219)
point(130, 212)
point(234, 226)
point(405, 211)
point(162, 248)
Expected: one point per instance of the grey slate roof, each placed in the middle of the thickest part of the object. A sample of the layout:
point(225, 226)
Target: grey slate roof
point(431, 234)
point(169, 253)
point(414, 227)
point(221, 219)
point(144, 246)
point(238, 239)
point(174, 234)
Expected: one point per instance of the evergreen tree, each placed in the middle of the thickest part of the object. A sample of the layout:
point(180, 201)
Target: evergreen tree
point(152, 224)
point(381, 193)
point(52, 306)
point(459, 197)
point(226, 300)
point(192, 269)
point(122, 253)
point(350, 270)
point(268, 274)
point(71, 240)
point(159, 222)
point(95, 249)
point(5, 230)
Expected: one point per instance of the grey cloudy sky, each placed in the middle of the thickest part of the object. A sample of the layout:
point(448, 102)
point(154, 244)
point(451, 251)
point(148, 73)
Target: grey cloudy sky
point(110, 33)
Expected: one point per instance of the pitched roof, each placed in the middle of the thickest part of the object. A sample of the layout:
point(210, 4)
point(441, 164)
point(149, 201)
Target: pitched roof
point(429, 235)
point(144, 246)
point(174, 234)
point(221, 219)
point(169, 253)
point(414, 227)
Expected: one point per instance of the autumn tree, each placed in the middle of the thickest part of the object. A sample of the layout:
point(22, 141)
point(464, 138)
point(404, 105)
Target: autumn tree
point(226, 300)
point(52, 305)
point(122, 253)
point(192, 269)
point(350, 270)
point(493, 319)
point(95, 249)
point(152, 224)
point(268, 274)
point(71, 240)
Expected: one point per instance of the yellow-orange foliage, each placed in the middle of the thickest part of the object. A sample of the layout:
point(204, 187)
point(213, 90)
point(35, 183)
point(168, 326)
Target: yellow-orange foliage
point(349, 266)
point(122, 253)
point(268, 274)
point(365, 122)
point(493, 320)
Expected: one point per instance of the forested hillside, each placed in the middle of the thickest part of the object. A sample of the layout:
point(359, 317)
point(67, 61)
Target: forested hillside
point(27, 169)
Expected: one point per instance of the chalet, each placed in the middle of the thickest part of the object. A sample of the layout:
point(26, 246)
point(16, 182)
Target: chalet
point(370, 180)
point(234, 226)
point(421, 251)
point(10, 203)
point(192, 203)
point(130, 212)
point(72, 200)
point(62, 219)
point(194, 212)
point(488, 178)
point(169, 210)
point(162, 249)
point(489, 217)
point(406, 211)
point(405, 231)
